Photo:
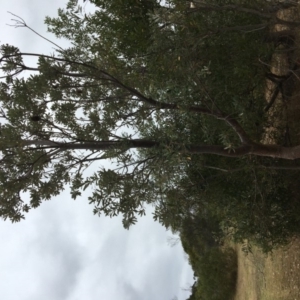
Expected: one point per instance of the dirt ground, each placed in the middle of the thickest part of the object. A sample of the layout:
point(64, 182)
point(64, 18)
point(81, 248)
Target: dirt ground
point(275, 276)
point(269, 277)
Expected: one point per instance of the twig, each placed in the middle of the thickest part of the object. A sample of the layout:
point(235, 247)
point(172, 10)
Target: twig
point(21, 23)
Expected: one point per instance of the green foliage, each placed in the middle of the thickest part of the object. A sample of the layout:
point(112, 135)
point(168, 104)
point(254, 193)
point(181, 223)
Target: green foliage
point(142, 83)
point(215, 266)
point(217, 271)
point(249, 202)
point(129, 21)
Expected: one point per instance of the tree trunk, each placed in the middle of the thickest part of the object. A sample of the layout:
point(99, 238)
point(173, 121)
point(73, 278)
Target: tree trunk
point(274, 151)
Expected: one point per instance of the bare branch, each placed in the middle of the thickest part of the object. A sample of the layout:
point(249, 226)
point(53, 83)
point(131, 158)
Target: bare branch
point(19, 22)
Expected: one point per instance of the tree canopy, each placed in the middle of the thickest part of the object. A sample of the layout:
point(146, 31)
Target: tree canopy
point(171, 95)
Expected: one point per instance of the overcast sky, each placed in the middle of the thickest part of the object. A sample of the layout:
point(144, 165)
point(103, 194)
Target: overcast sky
point(61, 251)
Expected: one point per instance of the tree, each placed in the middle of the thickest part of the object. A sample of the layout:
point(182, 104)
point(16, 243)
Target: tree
point(114, 77)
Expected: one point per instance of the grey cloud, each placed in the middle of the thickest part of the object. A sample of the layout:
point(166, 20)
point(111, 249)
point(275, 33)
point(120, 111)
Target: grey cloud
point(129, 292)
point(62, 260)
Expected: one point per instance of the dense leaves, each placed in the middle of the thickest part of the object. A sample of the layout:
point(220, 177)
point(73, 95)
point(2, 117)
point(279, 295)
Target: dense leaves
point(148, 87)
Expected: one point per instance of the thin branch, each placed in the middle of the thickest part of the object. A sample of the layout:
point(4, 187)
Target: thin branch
point(21, 23)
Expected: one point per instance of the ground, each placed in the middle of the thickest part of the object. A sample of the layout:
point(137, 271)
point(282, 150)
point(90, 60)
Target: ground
point(274, 276)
